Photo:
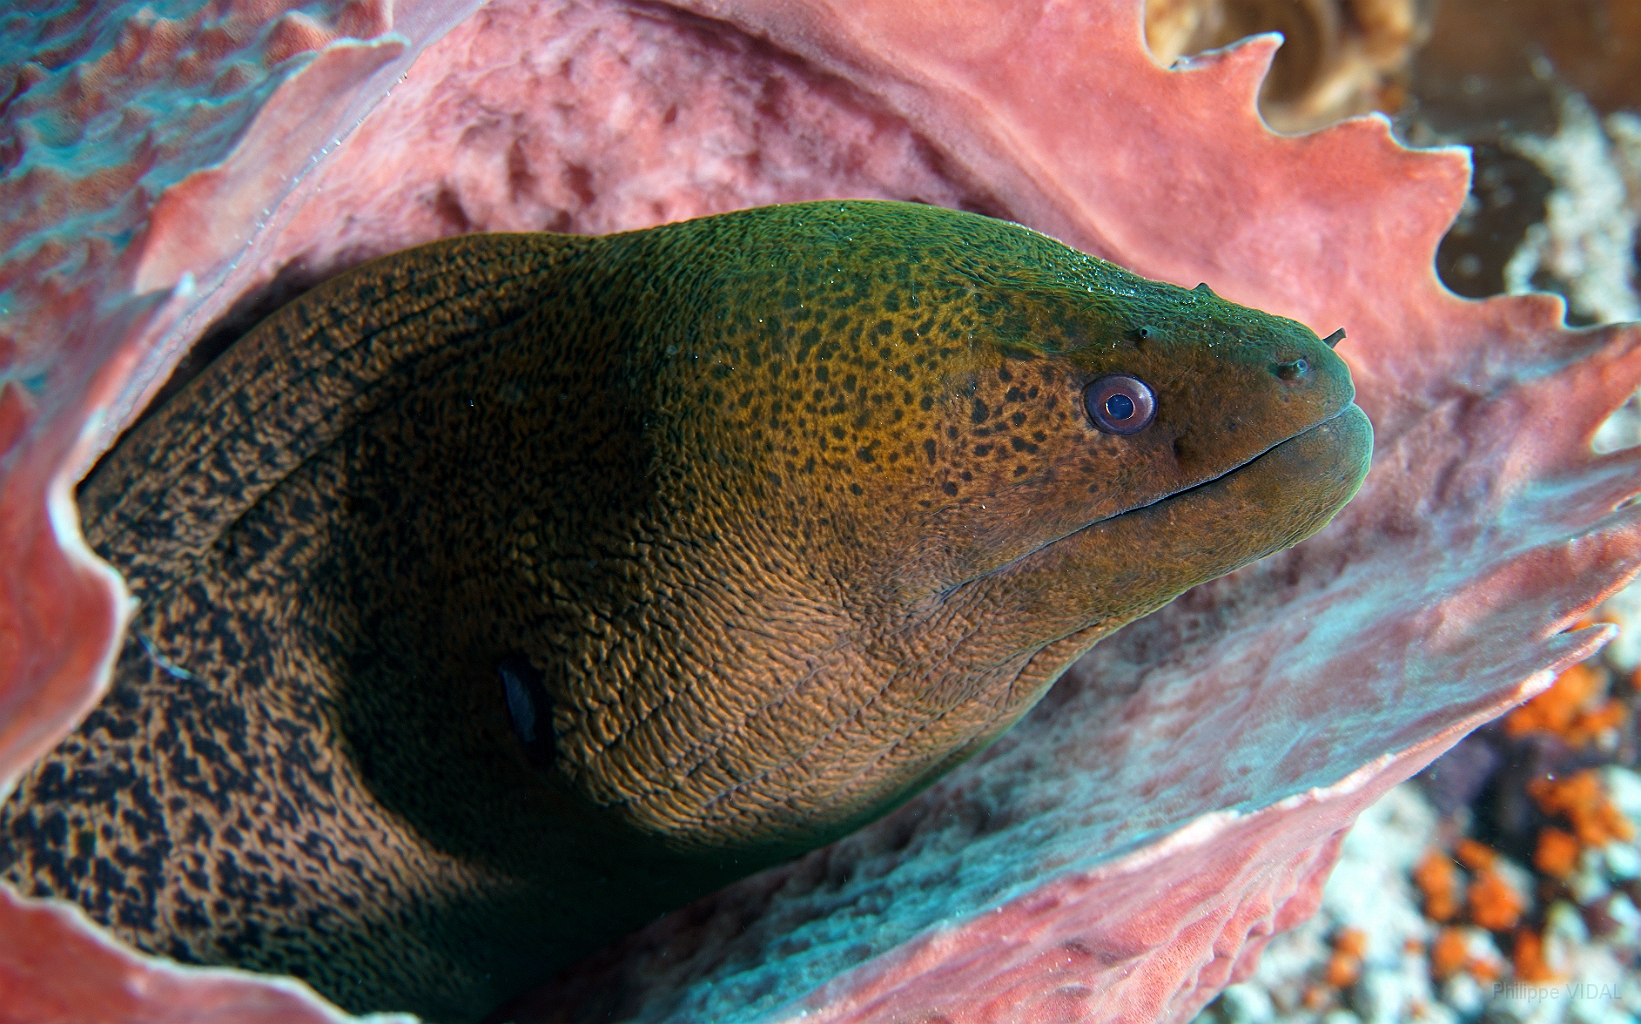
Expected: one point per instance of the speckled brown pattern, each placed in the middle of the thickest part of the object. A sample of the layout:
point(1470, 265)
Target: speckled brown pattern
point(788, 508)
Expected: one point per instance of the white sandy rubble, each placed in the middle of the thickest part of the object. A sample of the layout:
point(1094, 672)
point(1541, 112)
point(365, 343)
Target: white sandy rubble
point(1370, 891)
point(1587, 238)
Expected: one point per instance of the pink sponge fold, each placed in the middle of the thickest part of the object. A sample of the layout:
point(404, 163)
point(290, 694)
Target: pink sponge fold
point(1179, 796)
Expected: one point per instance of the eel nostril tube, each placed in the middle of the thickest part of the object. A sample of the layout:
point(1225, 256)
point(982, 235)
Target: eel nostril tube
point(1293, 370)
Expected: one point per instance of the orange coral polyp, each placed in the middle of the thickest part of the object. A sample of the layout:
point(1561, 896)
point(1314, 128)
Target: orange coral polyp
point(1343, 970)
point(1527, 957)
point(1590, 726)
point(1582, 800)
point(1494, 903)
point(1482, 969)
point(1557, 853)
point(1438, 879)
point(1351, 942)
point(1449, 953)
point(1345, 965)
point(1474, 855)
point(1556, 709)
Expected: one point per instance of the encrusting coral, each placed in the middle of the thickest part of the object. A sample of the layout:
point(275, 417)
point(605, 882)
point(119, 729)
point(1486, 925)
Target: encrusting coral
point(1579, 711)
point(1575, 708)
point(1486, 900)
point(1128, 849)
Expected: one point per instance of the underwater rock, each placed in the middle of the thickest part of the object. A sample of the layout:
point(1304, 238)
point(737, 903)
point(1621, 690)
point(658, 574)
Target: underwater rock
point(1338, 57)
point(1490, 68)
point(1127, 849)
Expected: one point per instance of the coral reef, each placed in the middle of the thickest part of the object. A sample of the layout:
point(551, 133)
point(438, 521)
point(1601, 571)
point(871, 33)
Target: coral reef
point(1521, 946)
point(1181, 796)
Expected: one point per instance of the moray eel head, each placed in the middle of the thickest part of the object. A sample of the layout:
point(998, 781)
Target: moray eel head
point(913, 463)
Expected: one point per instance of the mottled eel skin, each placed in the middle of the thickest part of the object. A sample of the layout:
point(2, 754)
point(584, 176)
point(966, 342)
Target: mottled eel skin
point(505, 592)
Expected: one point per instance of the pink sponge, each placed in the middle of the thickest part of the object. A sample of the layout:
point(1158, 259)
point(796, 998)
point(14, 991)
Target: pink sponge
point(1125, 851)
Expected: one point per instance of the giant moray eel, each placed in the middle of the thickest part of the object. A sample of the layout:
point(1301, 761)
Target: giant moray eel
point(503, 593)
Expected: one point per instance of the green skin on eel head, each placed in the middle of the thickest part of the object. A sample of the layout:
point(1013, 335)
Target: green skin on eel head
point(504, 592)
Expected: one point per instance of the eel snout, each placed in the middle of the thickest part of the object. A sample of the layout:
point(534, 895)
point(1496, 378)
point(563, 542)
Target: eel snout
point(1080, 588)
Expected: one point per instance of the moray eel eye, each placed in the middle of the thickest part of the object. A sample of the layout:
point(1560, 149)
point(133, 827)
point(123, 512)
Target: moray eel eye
point(1121, 405)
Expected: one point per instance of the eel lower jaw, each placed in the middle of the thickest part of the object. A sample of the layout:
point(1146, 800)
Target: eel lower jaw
point(1065, 596)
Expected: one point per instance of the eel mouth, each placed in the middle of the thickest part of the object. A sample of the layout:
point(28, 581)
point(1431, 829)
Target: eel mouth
point(1343, 430)
point(1272, 501)
point(1074, 590)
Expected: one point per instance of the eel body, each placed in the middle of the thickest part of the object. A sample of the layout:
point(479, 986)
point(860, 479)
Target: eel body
point(503, 593)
